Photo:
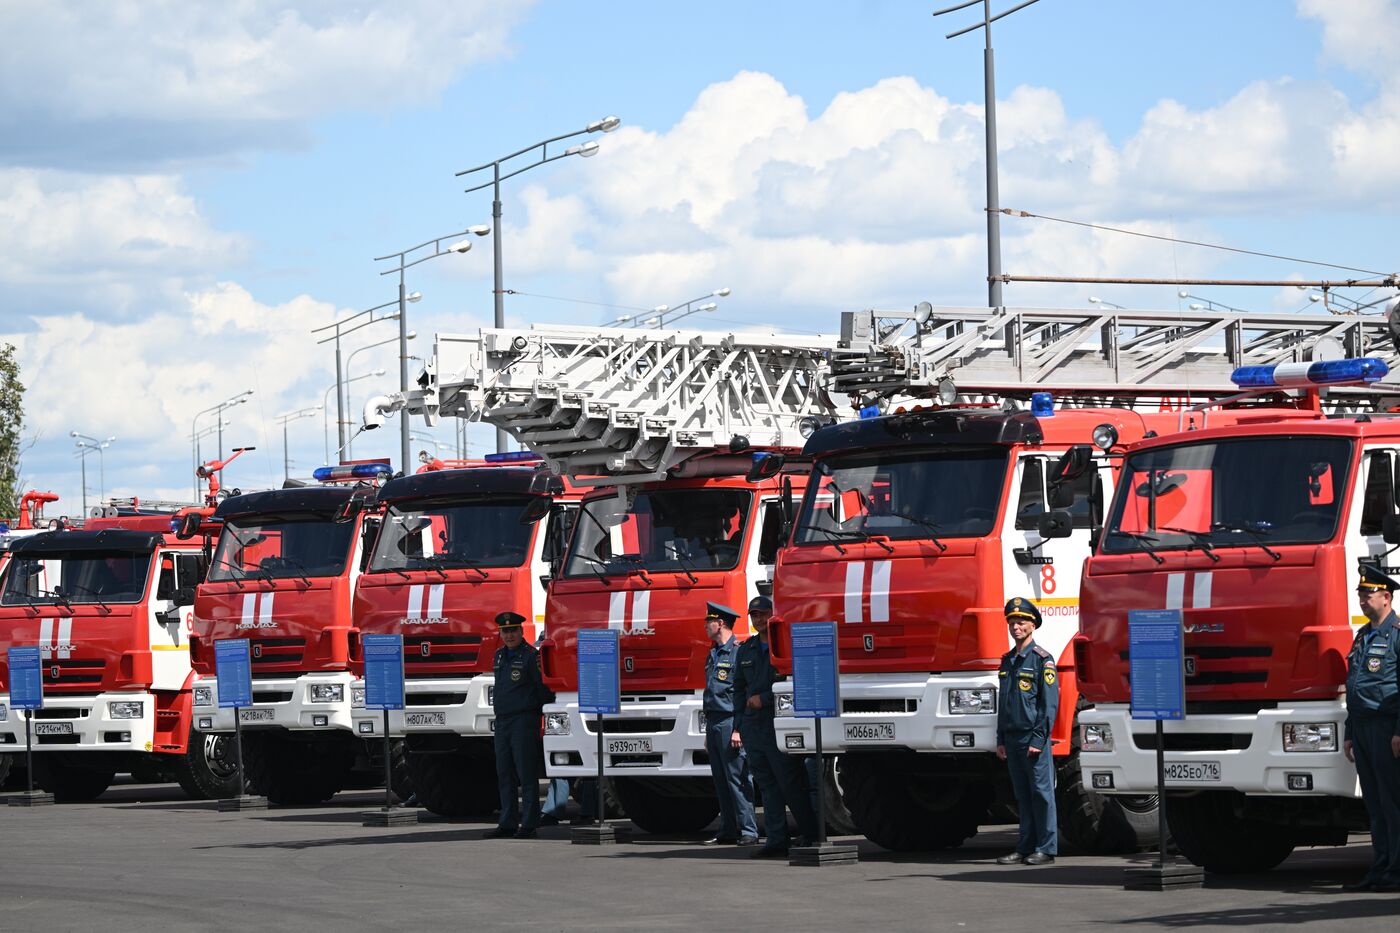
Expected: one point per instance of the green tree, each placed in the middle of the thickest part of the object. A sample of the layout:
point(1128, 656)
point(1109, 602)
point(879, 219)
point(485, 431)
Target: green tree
point(11, 423)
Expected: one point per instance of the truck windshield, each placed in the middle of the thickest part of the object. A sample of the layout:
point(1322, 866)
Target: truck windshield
point(676, 530)
point(903, 495)
point(478, 533)
point(87, 577)
point(1237, 493)
point(282, 547)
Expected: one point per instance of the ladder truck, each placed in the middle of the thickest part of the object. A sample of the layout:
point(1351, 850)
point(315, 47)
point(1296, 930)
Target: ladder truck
point(669, 434)
point(109, 607)
point(921, 520)
point(1254, 532)
point(458, 544)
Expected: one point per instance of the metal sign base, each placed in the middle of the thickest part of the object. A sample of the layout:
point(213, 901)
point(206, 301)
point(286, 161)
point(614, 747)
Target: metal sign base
point(828, 853)
point(1172, 876)
point(32, 798)
point(595, 835)
point(397, 816)
point(242, 802)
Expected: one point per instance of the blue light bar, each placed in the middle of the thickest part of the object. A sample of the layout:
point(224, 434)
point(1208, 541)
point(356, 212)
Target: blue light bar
point(1042, 404)
point(870, 411)
point(1356, 371)
point(513, 456)
point(174, 524)
point(345, 471)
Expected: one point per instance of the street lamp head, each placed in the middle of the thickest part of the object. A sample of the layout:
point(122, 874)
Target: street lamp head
point(708, 307)
point(720, 292)
point(1196, 307)
point(415, 297)
point(660, 309)
point(480, 229)
point(607, 125)
point(410, 335)
point(624, 318)
point(587, 150)
point(461, 246)
point(1314, 298)
point(72, 433)
point(652, 320)
point(1094, 299)
point(377, 372)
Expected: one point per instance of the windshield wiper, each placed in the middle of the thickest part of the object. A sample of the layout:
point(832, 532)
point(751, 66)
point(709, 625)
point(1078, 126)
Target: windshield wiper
point(91, 592)
point(436, 561)
point(296, 565)
point(596, 564)
point(836, 536)
point(843, 534)
point(638, 566)
point(1141, 541)
point(1199, 541)
point(930, 527)
point(1255, 530)
point(689, 571)
point(243, 573)
point(54, 594)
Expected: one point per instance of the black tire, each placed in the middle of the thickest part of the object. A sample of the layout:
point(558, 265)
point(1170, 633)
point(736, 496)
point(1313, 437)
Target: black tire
point(207, 770)
point(1096, 824)
point(911, 812)
point(290, 771)
point(400, 779)
point(454, 784)
point(652, 810)
point(70, 779)
point(1208, 830)
point(839, 821)
point(612, 807)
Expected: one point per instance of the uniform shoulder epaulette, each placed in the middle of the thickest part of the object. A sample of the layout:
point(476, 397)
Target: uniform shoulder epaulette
point(1043, 653)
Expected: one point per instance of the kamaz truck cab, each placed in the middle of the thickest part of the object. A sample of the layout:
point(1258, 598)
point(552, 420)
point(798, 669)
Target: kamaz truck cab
point(457, 546)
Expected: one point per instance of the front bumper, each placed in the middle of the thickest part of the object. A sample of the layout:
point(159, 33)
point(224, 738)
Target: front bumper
point(895, 711)
point(458, 706)
point(659, 736)
point(278, 703)
point(1247, 748)
point(93, 727)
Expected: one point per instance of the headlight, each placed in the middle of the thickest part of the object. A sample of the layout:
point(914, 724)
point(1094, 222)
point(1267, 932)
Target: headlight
point(125, 709)
point(357, 697)
point(4, 712)
point(701, 721)
point(782, 704)
point(203, 696)
point(1105, 436)
point(557, 724)
point(327, 693)
point(1310, 736)
point(1095, 738)
point(491, 696)
point(973, 700)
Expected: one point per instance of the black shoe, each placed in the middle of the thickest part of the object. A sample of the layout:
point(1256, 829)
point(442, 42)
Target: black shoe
point(1012, 858)
point(720, 841)
point(767, 852)
point(1389, 887)
point(747, 841)
point(1038, 858)
point(1365, 884)
point(523, 833)
point(500, 832)
point(549, 819)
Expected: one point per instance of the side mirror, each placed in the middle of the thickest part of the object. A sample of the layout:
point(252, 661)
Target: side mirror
point(1390, 529)
point(765, 466)
point(788, 514)
point(184, 596)
point(535, 510)
point(1055, 524)
point(1073, 464)
point(348, 510)
point(189, 526)
point(1096, 501)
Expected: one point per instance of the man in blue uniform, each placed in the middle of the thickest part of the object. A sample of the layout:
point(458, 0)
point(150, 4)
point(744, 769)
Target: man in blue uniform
point(1028, 696)
point(779, 777)
point(520, 696)
point(1372, 735)
point(732, 784)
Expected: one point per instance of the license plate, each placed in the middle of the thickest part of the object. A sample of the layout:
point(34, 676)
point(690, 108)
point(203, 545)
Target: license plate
point(255, 715)
point(629, 746)
point(53, 728)
point(1192, 771)
point(869, 732)
point(425, 719)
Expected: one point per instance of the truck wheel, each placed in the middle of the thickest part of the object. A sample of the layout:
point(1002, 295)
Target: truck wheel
point(1097, 824)
point(839, 821)
point(909, 812)
point(290, 771)
point(207, 770)
point(454, 784)
point(1208, 830)
point(400, 780)
point(70, 779)
point(653, 810)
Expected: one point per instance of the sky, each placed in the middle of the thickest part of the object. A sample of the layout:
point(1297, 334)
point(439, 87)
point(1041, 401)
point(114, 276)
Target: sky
point(187, 190)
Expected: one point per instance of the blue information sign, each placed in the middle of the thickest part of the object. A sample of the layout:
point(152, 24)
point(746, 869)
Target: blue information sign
point(815, 692)
point(1156, 662)
point(383, 671)
point(599, 683)
point(235, 672)
point(26, 679)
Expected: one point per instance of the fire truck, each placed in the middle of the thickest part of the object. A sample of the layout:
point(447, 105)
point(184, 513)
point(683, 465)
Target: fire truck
point(456, 546)
point(672, 434)
point(109, 607)
point(920, 521)
point(1254, 532)
point(283, 576)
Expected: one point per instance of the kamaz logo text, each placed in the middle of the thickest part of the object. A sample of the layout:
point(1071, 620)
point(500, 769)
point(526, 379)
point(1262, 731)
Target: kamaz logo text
point(1203, 628)
point(428, 620)
point(618, 612)
point(243, 625)
point(57, 644)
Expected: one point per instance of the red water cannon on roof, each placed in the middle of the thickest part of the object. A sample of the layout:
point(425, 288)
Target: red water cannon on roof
point(210, 471)
point(31, 508)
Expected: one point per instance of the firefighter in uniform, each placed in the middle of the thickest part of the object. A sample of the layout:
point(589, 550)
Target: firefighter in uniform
point(779, 777)
point(1372, 734)
point(520, 696)
point(1027, 699)
point(733, 786)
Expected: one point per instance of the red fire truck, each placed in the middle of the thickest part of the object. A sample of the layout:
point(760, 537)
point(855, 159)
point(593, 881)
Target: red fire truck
point(456, 547)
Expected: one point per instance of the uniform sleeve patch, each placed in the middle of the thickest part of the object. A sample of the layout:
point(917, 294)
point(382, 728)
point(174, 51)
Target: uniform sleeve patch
point(1049, 675)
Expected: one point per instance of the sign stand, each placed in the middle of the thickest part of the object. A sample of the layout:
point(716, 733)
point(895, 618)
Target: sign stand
point(384, 690)
point(27, 693)
point(816, 695)
point(234, 668)
point(1157, 680)
point(599, 692)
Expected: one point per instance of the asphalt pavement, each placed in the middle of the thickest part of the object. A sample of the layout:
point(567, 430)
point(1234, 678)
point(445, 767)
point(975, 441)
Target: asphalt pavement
point(145, 858)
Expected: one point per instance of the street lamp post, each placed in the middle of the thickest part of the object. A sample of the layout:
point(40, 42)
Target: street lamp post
point(585, 150)
point(337, 325)
point(325, 399)
point(86, 443)
point(412, 335)
point(669, 314)
point(1207, 304)
point(461, 246)
point(1096, 300)
point(283, 420)
point(238, 399)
